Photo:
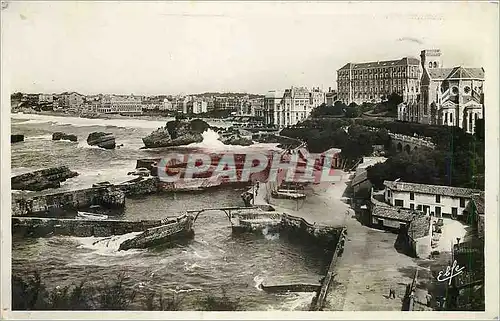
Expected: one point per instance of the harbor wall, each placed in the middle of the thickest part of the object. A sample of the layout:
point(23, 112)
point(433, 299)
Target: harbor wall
point(57, 204)
point(40, 227)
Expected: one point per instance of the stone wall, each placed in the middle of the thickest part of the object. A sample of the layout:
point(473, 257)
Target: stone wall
point(140, 186)
point(57, 204)
point(40, 227)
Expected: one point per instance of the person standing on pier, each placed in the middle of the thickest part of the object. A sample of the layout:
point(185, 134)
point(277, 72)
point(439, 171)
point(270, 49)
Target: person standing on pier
point(392, 293)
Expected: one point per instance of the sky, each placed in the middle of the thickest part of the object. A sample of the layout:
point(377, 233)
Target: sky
point(152, 48)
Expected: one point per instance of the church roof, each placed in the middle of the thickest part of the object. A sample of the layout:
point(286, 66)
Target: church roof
point(456, 73)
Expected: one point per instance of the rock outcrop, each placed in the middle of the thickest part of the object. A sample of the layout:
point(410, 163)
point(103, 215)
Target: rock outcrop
point(176, 133)
point(16, 138)
point(42, 179)
point(63, 136)
point(103, 140)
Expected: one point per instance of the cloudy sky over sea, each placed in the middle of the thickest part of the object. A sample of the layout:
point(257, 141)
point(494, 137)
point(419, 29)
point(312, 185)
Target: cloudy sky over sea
point(190, 47)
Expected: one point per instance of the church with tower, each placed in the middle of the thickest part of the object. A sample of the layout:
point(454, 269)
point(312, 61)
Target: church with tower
point(448, 96)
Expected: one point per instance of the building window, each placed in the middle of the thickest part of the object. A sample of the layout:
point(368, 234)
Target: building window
point(412, 206)
point(462, 202)
point(438, 211)
point(454, 211)
point(398, 203)
point(438, 198)
point(419, 207)
point(412, 196)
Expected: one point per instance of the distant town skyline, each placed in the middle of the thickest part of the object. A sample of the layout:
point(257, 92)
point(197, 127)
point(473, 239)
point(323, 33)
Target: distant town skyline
point(197, 47)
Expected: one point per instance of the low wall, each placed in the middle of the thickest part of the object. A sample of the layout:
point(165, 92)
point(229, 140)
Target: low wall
point(327, 236)
point(40, 227)
point(140, 186)
point(56, 204)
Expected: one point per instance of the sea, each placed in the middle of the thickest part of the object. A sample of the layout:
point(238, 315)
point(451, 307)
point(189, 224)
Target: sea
point(214, 262)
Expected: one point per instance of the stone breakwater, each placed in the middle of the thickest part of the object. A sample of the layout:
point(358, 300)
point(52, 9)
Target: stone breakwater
point(140, 186)
point(42, 179)
point(258, 220)
point(57, 204)
point(40, 227)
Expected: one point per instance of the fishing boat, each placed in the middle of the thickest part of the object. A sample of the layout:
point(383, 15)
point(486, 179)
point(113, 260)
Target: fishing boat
point(90, 216)
point(170, 230)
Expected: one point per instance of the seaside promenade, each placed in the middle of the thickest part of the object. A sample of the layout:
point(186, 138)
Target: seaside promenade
point(370, 264)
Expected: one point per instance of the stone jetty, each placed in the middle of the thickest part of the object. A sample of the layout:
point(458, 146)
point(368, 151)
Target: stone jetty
point(41, 227)
point(57, 204)
point(103, 140)
point(16, 138)
point(63, 136)
point(42, 179)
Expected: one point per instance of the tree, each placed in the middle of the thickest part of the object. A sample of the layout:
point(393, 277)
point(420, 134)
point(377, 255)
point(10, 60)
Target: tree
point(353, 111)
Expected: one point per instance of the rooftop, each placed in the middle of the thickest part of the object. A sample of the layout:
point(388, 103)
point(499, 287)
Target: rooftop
point(456, 73)
point(394, 213)
point(386, 63)
point(431, 189)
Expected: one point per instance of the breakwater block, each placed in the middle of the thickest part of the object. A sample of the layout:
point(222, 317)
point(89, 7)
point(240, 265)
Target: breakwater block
point(41, 227)
point(291, 287)
point(140, 186)
point(181, 227)
point(57, 204)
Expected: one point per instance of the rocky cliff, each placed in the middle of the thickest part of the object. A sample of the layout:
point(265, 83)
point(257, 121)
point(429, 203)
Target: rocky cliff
point(42, 179)
point(176, 133)
point(63, 136)
point(103, 140)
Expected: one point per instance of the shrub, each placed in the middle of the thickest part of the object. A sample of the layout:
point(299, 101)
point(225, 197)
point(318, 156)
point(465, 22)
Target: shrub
point(219, 303)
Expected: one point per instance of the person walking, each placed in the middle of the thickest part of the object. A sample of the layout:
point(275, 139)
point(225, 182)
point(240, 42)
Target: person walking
point(392, 293)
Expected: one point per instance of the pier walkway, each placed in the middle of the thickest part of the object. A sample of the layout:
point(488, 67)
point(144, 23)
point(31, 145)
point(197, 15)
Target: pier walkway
point(369, 266)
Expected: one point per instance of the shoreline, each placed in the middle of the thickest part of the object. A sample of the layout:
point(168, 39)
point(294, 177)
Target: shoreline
point(115, 116)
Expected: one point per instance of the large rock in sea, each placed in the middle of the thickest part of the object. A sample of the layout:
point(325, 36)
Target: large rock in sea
point(176, 133)
point(63, 136)
point(16, 138)
point(103, 140)
point(42, 179)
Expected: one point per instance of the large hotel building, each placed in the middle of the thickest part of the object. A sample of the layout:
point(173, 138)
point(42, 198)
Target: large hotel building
point(376, 80)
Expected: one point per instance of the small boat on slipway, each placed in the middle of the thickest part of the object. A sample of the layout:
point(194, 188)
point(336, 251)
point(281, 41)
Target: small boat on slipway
point(90, 216)
point(170, 230)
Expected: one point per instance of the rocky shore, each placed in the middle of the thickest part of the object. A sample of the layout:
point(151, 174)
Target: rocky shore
point(63, 136)
point(103, 140)
point(42, 179)
point(176, 133)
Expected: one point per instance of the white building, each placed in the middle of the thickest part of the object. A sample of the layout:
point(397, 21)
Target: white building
point(435, 200)
point(199, 106)
point(122, 104)
point(45, 98)
point(167, 105)
point(287, 108)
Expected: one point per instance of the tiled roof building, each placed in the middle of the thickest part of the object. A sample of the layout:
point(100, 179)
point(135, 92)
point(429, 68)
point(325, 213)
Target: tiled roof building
point(436, 200)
